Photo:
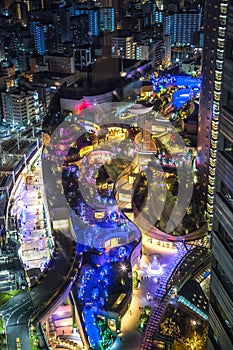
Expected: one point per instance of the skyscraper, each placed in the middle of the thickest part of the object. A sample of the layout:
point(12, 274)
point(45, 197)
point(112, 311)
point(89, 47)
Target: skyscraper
point(65, 25)
point(212, 71)
point(93, 22)
point(39, 39)
point(216, 142)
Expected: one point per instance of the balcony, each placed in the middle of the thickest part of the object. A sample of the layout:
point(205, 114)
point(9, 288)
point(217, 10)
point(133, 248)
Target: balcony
point(221, 253)
point(224, 296)
point(219, 329)
point(225, 169)
point(223, 212)
point(226, 125)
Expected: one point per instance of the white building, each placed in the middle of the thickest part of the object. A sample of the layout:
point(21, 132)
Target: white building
point(150, 52)
point(20, 108)
point(122, 46)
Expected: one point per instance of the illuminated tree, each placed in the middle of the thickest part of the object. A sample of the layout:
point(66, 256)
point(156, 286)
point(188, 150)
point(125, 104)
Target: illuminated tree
point(143, 321)
point(169, 327)
point(195, 341)
point(147, 310)
point(135, 279)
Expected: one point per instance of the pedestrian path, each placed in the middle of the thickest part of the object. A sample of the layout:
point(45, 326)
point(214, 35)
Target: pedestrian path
point(162, 297)
point(169, 258)
point(36, 241)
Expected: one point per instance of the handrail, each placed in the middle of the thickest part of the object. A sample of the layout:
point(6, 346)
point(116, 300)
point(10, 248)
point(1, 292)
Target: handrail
point(198, 266)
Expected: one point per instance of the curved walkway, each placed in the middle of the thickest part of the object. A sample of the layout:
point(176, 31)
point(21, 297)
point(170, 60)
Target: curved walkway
point(34, 304)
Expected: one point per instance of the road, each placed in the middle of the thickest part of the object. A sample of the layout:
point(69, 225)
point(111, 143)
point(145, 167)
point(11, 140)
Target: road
point(16, 313)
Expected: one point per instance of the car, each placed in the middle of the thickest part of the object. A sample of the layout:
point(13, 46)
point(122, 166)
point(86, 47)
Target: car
point(18, 343)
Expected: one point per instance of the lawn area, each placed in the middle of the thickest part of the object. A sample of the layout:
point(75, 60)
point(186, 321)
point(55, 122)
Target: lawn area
point(5, 296)
point(1, 325)
point(2, 334)
point(34, 340)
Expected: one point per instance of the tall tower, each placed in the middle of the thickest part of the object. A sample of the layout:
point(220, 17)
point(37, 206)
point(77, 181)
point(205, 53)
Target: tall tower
point(215, 160)
point(39, 39)
point(93, 22)
point(212, 71)
point(65, 26)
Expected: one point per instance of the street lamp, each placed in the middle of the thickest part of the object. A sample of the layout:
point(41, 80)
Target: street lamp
point(123, 267)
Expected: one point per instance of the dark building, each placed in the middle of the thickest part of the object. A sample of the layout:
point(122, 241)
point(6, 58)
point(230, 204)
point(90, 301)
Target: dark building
point(216, 136)
point(65, 25)
point(212, 70)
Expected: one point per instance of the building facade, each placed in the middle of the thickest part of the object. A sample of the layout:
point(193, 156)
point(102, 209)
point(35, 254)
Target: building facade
point(60, 63)
point(182, 26)
point(20, 108)
point(216, 142)
point(93, 22)
point(153, 52)
point(122, 46)
point(39, 37)
point(212, 71)
point(106, 19)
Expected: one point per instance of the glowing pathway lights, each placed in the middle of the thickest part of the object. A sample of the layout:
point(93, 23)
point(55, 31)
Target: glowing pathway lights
point(91, 327)
point(36, 241)
point(93, 293)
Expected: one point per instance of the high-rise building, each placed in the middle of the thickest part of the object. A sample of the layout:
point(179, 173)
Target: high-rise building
point(65, 26)
point(215, 141)
point(19, 108)
point(150, 51)
point(79, 28)
point(106, 19)
point(93, 22)
point(181, 26)
point(19, 11)
point(106, 3)
point(7, 3)
point(121, 46)
point(160, 4)
point(212, 70)
point(2, 49)
point(83, 56)
point(167, 49)
point(39, 38)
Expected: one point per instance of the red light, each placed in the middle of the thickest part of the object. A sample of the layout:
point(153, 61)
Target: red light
point(80, 107)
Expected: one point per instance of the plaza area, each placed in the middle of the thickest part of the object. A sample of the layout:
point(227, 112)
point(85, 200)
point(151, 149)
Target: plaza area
point(153, 275)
